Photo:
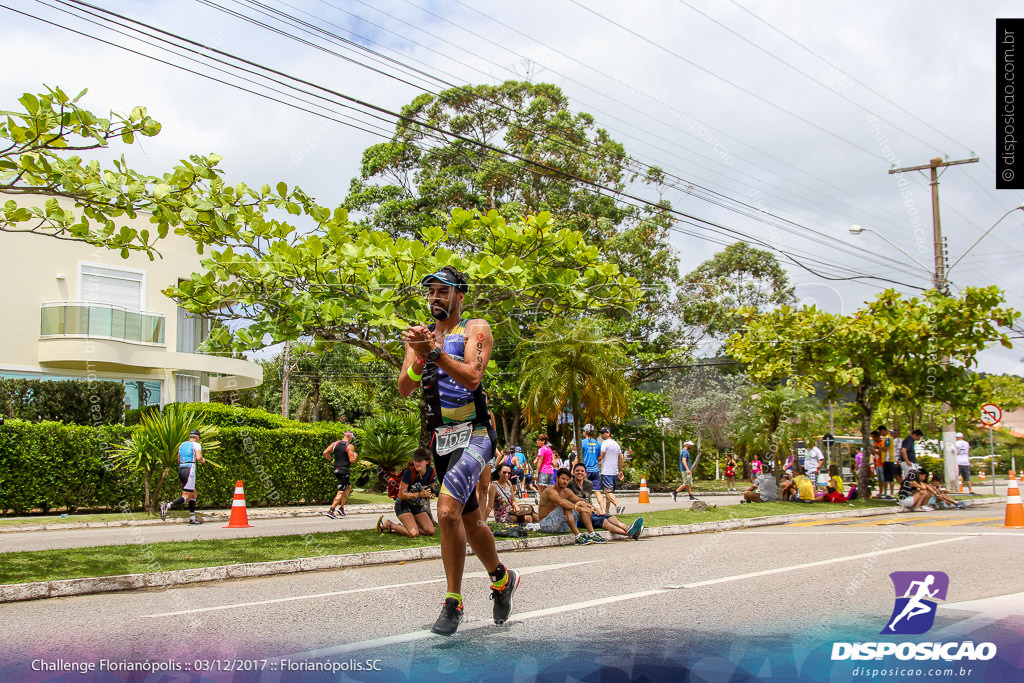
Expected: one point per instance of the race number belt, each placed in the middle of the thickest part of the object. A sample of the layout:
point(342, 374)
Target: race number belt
point(452, 437)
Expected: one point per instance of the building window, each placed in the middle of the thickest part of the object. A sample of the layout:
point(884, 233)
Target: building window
point(192, 331)
point(139, 393)
point(116, 287)
point(187, 388)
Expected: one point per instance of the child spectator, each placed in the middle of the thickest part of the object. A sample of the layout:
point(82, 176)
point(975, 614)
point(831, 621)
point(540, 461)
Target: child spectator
point(755, 468)
point(834, 489)
point(730, 474)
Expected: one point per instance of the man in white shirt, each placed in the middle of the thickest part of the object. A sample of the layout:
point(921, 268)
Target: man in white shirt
point(812, 462)
point(963, 460)
point(610, 462)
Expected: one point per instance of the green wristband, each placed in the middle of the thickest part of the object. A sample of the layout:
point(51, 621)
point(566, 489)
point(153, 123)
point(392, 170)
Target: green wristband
point(413, 376)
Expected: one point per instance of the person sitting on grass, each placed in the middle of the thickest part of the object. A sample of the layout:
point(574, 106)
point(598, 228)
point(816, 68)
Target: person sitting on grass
point(557, 500)
point(913, 495)
point(583, 488)
point(834, 491)
point(765, 488)
point(787, 489)
point(501, 500)
point(412, 505)
point(938, 499)
point(804, 487)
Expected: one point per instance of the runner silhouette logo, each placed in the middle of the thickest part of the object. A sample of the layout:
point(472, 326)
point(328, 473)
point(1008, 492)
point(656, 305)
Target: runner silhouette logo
point(914, 611)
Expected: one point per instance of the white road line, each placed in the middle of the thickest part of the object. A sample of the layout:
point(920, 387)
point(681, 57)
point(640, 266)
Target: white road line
point(472, 575)
point(549, 611)
point(466, 626)
point(803, 531)
point(819, 563)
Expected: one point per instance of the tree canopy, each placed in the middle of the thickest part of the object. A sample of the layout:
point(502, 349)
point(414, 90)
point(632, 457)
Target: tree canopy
point(891, 348)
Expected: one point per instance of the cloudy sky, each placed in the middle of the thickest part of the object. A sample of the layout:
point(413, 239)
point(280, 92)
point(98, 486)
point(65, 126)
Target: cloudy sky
point(777, 121)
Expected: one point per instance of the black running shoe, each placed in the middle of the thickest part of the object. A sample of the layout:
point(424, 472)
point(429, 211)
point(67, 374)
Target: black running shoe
point(340, 513)
point(503, 598)
point(195, 521)
point(451, 617)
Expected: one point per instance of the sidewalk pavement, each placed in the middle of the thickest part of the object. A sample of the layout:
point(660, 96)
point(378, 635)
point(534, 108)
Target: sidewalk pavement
point(110, 584)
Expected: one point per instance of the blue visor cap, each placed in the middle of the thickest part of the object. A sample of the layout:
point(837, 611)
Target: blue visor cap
point(447, 279)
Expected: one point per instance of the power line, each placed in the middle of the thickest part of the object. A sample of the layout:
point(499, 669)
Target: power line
point(530, 164)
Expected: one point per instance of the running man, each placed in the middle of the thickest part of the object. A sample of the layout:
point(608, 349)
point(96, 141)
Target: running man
point(344, 455)
point(915, 606)
point(610, 462)
point(189, 454)
point(448, 359)
point(591, 452)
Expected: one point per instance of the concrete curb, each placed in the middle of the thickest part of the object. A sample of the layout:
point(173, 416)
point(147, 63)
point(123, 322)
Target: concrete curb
point(211, 515)
point(17, 592)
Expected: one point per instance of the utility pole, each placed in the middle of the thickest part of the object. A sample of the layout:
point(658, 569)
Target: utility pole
point(948, 425)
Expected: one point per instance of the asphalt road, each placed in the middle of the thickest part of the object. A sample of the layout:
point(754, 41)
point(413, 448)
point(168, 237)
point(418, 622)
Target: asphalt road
point(179, 531)
point(617, 604)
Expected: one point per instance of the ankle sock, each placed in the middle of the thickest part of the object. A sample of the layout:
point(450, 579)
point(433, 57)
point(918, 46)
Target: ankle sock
point(457, 596)
point(499, 577)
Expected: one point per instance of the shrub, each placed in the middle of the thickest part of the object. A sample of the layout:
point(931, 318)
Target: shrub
point(51, 465)
point(71, 401)
point(223, 415)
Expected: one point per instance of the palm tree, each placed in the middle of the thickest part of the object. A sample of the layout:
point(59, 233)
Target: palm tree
point(152, 451)
point(573, 366)
point(771, 421)
point(389, 442)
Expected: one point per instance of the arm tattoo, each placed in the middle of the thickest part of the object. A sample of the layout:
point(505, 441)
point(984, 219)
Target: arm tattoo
point(479, 355)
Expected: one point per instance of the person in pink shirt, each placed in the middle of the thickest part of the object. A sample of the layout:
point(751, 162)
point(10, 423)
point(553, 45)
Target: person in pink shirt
point(544, 463)
point(755, 468)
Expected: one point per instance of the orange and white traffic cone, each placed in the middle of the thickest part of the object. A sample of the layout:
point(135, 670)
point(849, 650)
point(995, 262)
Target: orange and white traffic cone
point(645, 494)
point(1014, 508)
point(239, 517)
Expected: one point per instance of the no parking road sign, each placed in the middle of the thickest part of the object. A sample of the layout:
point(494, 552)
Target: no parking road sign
point(991, 414)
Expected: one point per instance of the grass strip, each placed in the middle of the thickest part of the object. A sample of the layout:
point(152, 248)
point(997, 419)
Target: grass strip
point(110, 560)
point(37, 520)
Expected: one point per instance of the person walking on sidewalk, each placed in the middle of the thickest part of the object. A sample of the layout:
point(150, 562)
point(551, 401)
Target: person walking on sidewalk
point(963, 461)
point(591, 452)
point(190, 453)
point(344, 455)
point(610, 463)
point(447, 359)
point(685, 473)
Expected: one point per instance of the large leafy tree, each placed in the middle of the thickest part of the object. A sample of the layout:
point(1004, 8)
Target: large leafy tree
point(518, 149)
point(268, 281)
point(574, 367)
point(738, 278)
point(46, 155)
point(770, 420)
point(892, 348)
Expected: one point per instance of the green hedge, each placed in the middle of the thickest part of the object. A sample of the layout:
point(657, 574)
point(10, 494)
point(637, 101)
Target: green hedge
point(73, 401)
point(51, 465)
point(223, 415)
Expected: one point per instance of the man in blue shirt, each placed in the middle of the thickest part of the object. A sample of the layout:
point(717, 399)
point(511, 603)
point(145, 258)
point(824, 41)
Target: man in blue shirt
point(190, 453)
point(685, 473)
point(908, 458)
point(591, 450)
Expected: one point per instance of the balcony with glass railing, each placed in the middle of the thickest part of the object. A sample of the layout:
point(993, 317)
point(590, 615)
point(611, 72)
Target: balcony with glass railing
point(101, 321)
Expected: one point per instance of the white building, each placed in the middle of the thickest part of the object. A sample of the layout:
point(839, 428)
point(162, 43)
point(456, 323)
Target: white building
point(71, 310)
